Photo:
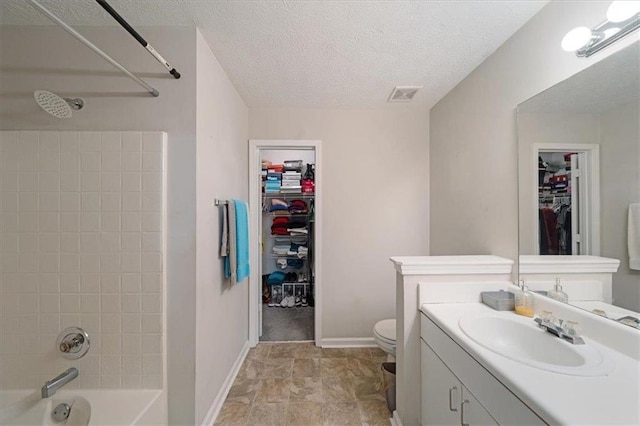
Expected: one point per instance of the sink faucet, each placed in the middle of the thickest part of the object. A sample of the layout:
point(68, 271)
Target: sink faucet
point(568, 333)
point(51, 386)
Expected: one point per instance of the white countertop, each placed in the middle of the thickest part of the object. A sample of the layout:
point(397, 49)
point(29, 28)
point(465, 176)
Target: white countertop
point(556, 398)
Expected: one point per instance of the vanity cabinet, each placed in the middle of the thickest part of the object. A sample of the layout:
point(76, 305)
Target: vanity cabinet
point(446, 401)
point(458, 390)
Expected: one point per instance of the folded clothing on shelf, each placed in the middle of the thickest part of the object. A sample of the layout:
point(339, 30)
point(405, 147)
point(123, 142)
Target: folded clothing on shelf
point(297, 222)
point(281, 250)
point(278, 204)
point(298, 207)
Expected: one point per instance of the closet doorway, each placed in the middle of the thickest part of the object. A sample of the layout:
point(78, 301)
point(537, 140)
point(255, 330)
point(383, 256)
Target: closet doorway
point(285, 200)
point(567, 199)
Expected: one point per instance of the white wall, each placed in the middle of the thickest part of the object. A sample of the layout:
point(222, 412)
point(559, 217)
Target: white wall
point(620, 186)
point(222, 317)
point(48, 58)
point(474, 202)
point(375, 190)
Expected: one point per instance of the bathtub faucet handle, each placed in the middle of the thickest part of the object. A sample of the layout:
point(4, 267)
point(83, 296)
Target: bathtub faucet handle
point(68, 344)
point(73, 342)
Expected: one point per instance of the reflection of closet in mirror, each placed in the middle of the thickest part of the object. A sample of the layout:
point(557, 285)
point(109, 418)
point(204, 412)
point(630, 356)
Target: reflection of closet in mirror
point(566, 198)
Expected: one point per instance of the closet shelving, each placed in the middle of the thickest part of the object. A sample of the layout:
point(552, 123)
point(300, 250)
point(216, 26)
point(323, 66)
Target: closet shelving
point(301, 265)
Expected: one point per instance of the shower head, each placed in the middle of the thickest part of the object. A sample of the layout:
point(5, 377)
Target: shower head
point(57, 106)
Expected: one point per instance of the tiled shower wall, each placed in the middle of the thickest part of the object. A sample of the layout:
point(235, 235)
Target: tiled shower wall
point(81, 243)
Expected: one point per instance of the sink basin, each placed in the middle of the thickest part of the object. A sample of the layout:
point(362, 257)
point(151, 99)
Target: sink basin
point(528, 344)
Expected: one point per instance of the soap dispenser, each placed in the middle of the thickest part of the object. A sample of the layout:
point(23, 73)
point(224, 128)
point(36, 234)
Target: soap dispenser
point(558, 294)
point(524, 301)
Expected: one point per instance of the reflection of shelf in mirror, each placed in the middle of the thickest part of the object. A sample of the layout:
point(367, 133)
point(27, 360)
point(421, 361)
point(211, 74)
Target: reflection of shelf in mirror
point(286, 256)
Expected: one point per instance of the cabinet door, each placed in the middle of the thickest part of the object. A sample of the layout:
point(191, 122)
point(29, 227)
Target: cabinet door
point(441, 391)
point(472, 413)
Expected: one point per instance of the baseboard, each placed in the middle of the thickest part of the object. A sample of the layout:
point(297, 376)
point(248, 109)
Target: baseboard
point(395, 420)
point(349, 342)
point(216, 405)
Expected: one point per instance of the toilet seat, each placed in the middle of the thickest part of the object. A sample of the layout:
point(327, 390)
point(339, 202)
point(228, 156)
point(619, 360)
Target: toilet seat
point(384, 333)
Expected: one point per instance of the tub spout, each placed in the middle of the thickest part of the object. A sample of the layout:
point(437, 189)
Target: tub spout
point(51, 386)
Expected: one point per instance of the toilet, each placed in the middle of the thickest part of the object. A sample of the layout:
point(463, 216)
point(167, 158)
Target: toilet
point(384, 333)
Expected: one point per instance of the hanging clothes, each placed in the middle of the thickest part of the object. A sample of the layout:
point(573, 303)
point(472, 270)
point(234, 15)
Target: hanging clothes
point(548, 231)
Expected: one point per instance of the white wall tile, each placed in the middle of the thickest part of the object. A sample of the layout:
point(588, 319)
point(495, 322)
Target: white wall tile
point(69, 242)
point(80, 245)
point(131, 241)
point(90, 181)
point(27, 181)
point(90, 202)
point(69, 181)
point(110, 283)
point(132, 141)
point(69, 202)
point(111, 162)
point(131, 323)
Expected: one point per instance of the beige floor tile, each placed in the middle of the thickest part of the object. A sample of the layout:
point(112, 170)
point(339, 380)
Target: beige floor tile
point(309, 367)
point(377, 353)
point(308, 350)
point(364, 367)
point(233, 414)
point(337, 389)
point(333, 367)
point(357, 352)
point(273, 390)
point(266, 368)
point(261, 351)
point(244, 390)
point(284, 350)
point(267, 414)
point(304, 414)
point(341, 413)
point(368, 389)
point(333, 353)
point(306, 389)
point(374, 413)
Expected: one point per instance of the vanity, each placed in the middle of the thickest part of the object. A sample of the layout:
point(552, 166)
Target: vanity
point(461, 362)
point(502, 380)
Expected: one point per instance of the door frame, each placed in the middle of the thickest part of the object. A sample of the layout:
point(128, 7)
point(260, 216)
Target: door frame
point(592, 208)
point(255, 215)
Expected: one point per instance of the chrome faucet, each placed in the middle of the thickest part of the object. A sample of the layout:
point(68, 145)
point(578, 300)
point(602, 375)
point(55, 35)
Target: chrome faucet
point(51, 386)
point(568, 332)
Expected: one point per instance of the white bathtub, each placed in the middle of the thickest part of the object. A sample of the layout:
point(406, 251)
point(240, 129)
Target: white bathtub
point(106, 407)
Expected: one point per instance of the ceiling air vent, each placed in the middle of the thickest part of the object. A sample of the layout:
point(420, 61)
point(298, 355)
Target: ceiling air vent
point(403, 93)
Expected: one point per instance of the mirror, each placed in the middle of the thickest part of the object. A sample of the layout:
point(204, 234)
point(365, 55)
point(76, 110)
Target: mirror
point(579, 178)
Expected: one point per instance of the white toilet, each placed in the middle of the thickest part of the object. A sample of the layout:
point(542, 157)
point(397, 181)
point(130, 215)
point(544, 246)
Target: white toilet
point(384, 333)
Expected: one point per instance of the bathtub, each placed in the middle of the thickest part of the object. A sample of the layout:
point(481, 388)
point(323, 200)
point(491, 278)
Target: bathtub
point(101, 407)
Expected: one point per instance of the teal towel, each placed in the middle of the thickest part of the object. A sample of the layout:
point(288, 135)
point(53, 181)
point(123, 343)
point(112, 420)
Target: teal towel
point(242, 240)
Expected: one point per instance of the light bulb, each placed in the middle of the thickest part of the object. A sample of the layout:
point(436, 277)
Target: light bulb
point(576, 38)
point(620, 11)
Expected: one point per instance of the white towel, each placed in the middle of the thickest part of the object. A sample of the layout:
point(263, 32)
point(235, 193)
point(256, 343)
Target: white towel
point(633, 237)
point(224, 242)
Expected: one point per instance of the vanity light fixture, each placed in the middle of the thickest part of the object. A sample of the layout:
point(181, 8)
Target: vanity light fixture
point(623, 17)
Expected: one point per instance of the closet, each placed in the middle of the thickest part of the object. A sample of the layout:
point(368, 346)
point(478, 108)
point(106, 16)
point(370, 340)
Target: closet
point(287, 244)
point(556, 203)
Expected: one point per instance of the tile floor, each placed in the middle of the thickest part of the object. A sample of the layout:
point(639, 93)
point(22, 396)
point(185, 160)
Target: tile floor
point(302, 385)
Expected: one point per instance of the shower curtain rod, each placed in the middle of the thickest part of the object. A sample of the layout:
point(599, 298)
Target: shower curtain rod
point(111, 11)
point(92, 46)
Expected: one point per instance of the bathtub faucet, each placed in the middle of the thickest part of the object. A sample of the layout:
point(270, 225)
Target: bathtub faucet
point(51, 386)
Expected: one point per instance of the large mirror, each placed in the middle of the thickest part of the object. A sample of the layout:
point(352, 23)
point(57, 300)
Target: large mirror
point(579, 188)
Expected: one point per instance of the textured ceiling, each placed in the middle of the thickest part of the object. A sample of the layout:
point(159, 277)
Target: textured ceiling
point(321, 53)
point(609, 83)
